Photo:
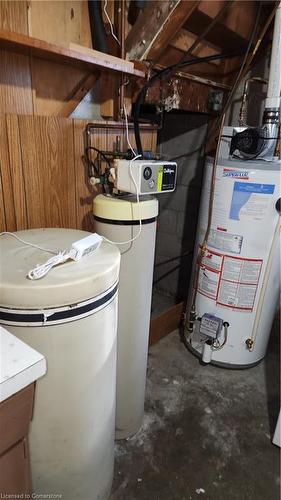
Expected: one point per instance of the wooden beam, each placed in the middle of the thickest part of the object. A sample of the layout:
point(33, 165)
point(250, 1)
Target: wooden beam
point(156, 26)
point(239, 17)
point(182, 94)
point(76, 56)
point(166, 323)
point(83, 87)
point(184, 39)
point(196, 78)
point(220, 35)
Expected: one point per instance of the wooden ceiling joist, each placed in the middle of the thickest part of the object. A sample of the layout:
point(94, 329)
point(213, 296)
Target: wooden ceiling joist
point(156, 26)
point(184, 39)
point(238, 18)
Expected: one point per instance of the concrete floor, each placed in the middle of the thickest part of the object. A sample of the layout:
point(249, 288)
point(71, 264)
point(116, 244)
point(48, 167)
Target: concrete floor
point(206, 431)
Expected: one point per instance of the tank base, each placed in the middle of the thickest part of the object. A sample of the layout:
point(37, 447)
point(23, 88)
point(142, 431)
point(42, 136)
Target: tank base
point(228, 366)
point(127, 433)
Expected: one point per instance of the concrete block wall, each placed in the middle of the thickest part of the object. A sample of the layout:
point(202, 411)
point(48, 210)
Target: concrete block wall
point(182, 140)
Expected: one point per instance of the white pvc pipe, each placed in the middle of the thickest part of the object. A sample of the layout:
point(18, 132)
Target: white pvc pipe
point(274, 83)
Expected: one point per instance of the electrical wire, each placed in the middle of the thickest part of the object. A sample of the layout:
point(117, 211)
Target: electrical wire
point(99, 152)
point(216, 346)
point(110, 22)
point(8, 233)
point(127, 130)
point(261, 137)
point(42, 269)
point(210, 26)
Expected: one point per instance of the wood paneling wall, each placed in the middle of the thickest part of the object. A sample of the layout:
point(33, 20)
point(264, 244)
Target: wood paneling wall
point(43, 182)
point(30, 85)
point(43, 178)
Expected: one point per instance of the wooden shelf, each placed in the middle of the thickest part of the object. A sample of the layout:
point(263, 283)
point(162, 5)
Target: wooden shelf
point(75, 56)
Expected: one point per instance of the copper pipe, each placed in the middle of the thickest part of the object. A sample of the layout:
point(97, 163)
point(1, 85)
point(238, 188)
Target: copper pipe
point(90, 127)
point(242, 111)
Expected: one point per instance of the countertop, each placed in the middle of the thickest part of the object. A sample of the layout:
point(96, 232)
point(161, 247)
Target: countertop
point(20, 365)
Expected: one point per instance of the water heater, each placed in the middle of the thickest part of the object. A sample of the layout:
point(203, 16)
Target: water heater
point(235, 286)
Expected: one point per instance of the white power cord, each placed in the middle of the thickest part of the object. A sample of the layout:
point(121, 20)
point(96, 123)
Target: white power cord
point(110, 22)
point(41, 270)
point(127, 130)
point(8, 233)
point(81, 248)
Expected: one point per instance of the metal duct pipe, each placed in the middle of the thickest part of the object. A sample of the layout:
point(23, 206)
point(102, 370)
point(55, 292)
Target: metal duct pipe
point(274, 82)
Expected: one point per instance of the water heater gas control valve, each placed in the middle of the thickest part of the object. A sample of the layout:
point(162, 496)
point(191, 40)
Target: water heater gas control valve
point(145, 176)
point(210, 325)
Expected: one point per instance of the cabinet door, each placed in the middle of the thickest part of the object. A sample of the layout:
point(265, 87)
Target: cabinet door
point(15, 415)
point(15, 470)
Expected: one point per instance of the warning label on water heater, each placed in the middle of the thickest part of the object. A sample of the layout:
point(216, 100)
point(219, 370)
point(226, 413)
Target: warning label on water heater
point(238, 283)
point(230, 281)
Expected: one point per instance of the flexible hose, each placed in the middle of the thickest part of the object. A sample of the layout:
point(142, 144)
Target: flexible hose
point(99, 38)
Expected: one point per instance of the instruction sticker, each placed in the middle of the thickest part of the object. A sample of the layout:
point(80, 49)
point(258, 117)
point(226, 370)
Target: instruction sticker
point(250, 200)
point(225, 241)
point(209, 274)
point(212, 260)
point(229, 281)
point(208, 282)
point(239, 282)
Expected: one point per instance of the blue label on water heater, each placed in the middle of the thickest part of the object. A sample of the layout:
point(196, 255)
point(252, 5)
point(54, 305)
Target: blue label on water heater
point(242, 193)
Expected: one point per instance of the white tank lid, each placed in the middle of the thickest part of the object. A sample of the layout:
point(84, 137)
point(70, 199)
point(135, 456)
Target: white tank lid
point(125, 208)
point(66, 284)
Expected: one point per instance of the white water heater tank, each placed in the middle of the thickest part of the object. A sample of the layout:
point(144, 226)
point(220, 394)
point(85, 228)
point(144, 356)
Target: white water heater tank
point(238, 278)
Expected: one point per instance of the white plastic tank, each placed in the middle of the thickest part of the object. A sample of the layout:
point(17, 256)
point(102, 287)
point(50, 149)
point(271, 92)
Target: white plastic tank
point(70, 316)
point(118, 220)
point(239, 276)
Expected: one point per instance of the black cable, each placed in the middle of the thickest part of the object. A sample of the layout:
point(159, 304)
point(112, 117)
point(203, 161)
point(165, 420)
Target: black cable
point(164, 72)
point(99, 38)
point(98, 151)
point(264, 138)
point(210, 26)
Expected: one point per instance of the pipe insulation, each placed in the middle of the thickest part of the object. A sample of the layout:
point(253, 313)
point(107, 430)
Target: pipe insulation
point(274, 83)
